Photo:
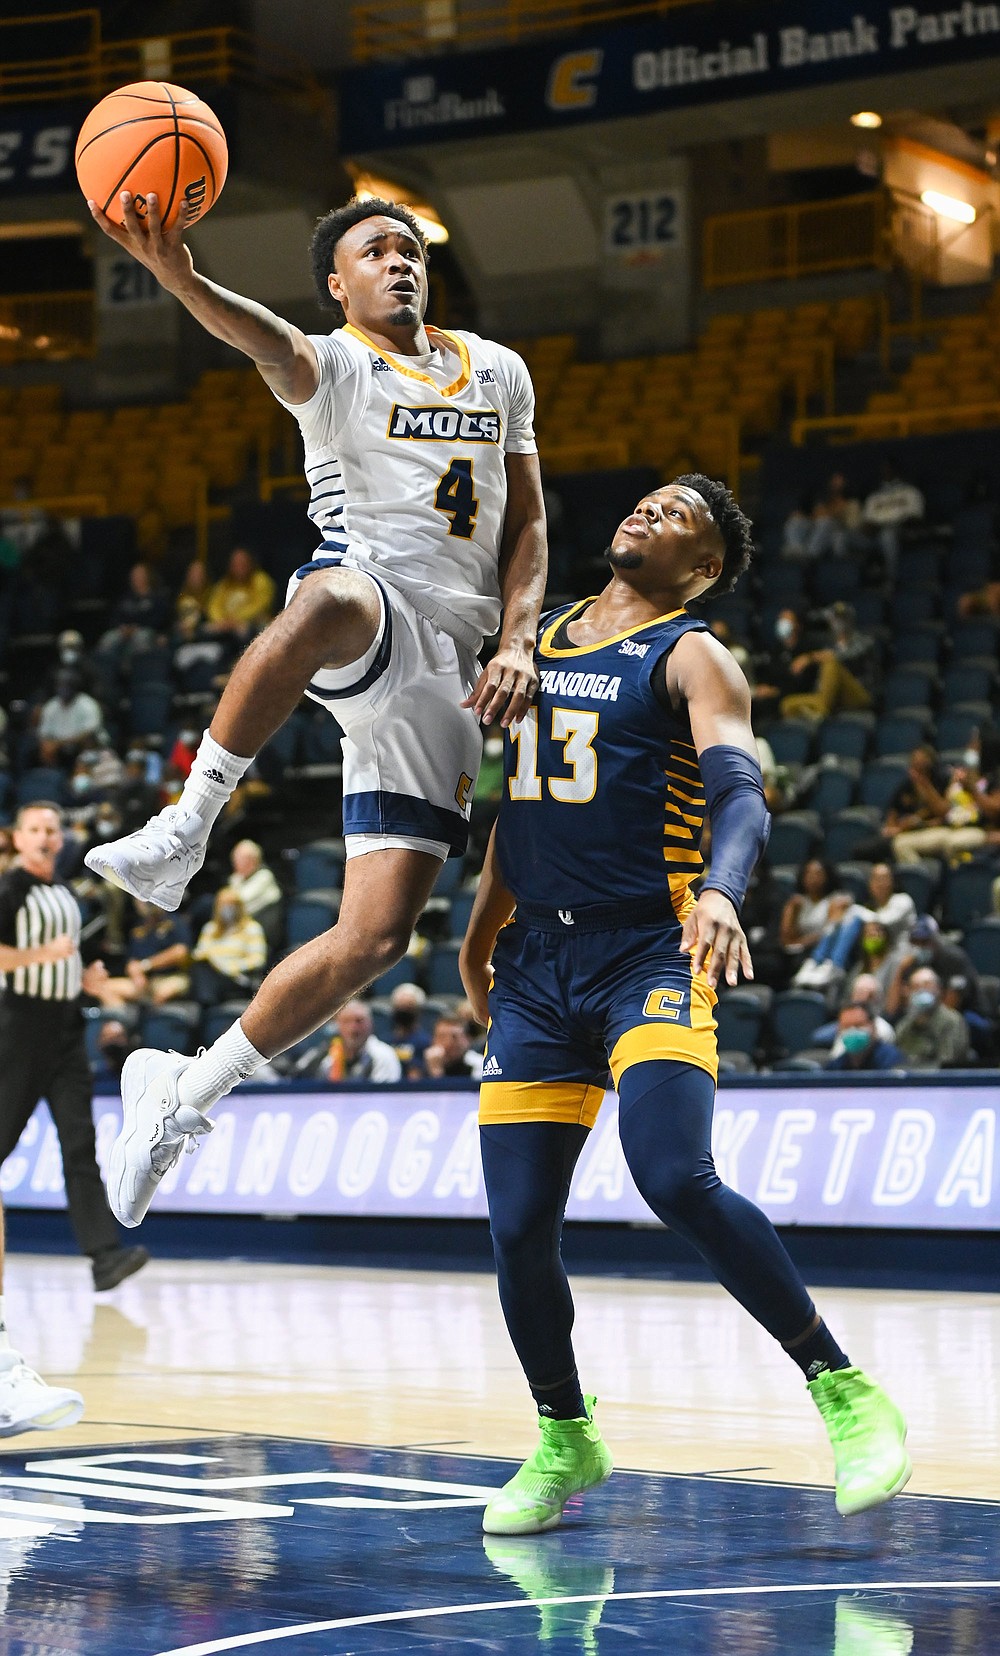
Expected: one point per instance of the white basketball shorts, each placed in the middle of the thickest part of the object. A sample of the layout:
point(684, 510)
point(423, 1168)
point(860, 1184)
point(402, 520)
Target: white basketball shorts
point(411, 751)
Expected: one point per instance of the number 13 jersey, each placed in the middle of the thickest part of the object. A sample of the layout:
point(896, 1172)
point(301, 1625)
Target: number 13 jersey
point(404, 456)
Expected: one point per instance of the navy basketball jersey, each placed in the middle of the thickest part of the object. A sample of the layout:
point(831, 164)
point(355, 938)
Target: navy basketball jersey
point(603, 800)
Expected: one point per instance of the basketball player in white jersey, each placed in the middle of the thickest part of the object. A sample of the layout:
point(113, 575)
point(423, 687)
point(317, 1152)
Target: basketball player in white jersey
point(421, 458)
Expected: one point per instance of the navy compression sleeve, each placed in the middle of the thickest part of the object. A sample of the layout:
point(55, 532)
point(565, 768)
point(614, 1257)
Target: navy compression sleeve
point(739, 818)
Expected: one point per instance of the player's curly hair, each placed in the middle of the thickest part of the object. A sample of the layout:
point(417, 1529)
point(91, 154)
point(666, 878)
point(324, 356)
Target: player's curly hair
point(733, 525)
point(332, 226)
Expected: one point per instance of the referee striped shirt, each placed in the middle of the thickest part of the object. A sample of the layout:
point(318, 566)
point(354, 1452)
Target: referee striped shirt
point(33, 912)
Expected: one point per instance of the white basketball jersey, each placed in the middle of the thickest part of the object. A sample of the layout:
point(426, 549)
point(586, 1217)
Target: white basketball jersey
point(405, 462)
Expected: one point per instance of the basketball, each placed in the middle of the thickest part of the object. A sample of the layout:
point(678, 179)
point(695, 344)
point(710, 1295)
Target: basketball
point(152, 137)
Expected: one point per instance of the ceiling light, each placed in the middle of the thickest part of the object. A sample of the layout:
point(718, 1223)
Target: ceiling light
point(948, 207)
point(866, 118)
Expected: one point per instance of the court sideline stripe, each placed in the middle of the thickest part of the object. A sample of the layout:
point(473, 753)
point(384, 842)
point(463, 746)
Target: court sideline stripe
point(242, 1640)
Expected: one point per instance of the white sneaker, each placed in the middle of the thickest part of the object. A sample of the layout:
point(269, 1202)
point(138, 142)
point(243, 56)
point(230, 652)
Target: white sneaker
point(157, 861)
point(156, 1129)
point(27, 1404)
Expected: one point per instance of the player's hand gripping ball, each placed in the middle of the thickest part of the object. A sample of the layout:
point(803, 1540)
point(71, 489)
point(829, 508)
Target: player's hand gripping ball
point(152, 137)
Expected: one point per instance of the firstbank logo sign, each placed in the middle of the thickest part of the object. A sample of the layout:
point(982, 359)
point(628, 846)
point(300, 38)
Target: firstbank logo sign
point(449, 425)
point(572, 81)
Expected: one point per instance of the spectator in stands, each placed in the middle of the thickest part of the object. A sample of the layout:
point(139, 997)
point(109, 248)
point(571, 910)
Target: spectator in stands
point(918, 802)
point(930, 1035)
point(97, 774)
point(355, 1053)
point(114, 1044)
point(198, 655)
point(137, 798)
point(181, 755)
point(72, 654)
point(255, 883)
point(797, 532)
point(157, 962)
point(806, 914)
point(242, 603)
point(762, 912)
point(846, 671)
point(893, 911)
point(451, 1054)
point(22, 522)
point(137, 618)
point(8, 851)
point(230, 954)
point(864, 991)
point(971, 806)
point(823, 527)
point(784, 669)
point(68, 722)
point(410, 1039)
point(862, 1048)
point(194, 589)
point(926, 947)
point(489, 787)
point(885, 511)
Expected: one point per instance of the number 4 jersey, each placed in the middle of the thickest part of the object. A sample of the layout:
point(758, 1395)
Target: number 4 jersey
point(603, 800)
point(404, 456)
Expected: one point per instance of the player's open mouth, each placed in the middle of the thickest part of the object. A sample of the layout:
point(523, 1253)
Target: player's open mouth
point(404, 290)
point(635, 526)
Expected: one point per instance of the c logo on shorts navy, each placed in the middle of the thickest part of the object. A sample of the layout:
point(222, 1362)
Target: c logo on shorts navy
point(600, 820)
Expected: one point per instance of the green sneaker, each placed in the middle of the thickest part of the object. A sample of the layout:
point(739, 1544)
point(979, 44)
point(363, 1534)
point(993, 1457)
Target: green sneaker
point(868, 1434)
point(571, 1457)
point(864, 1630)
point(547, 1575)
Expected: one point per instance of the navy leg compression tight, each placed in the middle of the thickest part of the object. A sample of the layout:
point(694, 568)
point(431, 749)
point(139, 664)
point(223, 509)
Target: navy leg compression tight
point(665, 1123)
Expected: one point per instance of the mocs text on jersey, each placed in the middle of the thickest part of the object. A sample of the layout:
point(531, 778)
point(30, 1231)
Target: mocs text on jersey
point(435, 424)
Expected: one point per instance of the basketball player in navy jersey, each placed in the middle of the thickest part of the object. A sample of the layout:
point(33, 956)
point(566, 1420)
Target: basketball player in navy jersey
point(641, 728)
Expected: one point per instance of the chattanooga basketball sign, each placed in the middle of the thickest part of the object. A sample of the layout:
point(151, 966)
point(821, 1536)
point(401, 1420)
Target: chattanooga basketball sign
point(923, 1155)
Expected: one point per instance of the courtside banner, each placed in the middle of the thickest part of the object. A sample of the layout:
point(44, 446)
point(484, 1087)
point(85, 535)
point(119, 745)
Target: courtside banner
point(690, 55)
point(896, 1154)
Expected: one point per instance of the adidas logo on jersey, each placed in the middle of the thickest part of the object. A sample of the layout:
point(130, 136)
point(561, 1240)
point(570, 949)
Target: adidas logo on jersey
point(491, 1068)
point(436, 424)
point(380, 366)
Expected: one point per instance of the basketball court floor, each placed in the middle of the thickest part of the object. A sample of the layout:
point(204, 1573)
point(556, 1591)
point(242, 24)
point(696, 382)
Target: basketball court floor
point(294, 1459)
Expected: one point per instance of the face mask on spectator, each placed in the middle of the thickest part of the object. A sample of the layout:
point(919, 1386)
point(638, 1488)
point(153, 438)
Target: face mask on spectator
point(784, 628)
point(855, 1040)
point(873, 945)
point(971, 758)
point(80, 783)
point(228, 914)
point(923, 1000)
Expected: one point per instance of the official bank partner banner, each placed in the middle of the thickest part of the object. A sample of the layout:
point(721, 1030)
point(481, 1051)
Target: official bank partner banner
point(688, 56)
point(817, 1155)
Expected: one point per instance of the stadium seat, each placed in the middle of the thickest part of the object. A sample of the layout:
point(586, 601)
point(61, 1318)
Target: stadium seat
point(442, 976)
point(835, 788)
point(450, 878)
point(149, 707)
point(795, 1015)
point(217, 1019)
point(918, 646)
point(784, 881)
point(848, 830)
point(982, 944)
point(406, 970)
point(966, 681)
point(793, 836)
point(791, 740)
point(740, 1018)
point(921, 881)
point(42, 782)
point(968, 895)
point(848, 735)
point(914, 604)
point(901, 731)
point(171, 1028)
point(735, 1063)
point(460, 910)
point(918, 566)
point(909, 687)
point(310, 913)
point(835, 579)
point(151, 666)
point(974, 638)
point(879, 781)
point(801, 1063)
point(321, 741)
point(320, 865)
point(853, 877)
point(954, 729)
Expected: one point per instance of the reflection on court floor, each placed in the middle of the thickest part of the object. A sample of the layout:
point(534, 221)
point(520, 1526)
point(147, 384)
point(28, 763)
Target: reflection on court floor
point(235, 1543)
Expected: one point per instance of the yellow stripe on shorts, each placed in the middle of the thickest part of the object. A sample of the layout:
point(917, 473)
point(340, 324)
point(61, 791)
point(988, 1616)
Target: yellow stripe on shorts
point(574, 1102)
point(675, 1042)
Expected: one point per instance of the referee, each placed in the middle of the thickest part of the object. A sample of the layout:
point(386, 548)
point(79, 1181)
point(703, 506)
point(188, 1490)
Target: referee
point(42, 1050)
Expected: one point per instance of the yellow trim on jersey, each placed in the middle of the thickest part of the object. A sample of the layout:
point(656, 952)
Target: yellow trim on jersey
point(457, 344)
point(675, 1042)
point(688, 798)
point(681, 854)
point(681, 895)
point(574, 1103)
point(547, 648)
point(694, 821)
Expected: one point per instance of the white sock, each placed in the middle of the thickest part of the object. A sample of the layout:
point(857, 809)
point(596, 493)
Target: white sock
point(214, 775)
point(230, 1060)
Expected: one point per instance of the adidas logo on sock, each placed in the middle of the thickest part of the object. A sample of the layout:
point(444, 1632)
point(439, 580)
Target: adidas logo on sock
point(215, 776)
point(491, 1067)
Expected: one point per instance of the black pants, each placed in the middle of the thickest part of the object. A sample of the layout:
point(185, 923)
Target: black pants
point(42, 1055)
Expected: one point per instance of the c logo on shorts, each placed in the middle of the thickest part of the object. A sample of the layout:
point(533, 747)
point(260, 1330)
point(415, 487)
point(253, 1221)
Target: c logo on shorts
point(463, 793)
point(663, 1003)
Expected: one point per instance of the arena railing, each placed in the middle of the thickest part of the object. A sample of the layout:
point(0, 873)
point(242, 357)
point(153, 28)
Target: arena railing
point(47, 326)
point(83, 64)
point(902, 422)
point(807, 239)
point(398, 28)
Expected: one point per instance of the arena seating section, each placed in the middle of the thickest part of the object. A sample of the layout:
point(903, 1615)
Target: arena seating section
point(607, 432)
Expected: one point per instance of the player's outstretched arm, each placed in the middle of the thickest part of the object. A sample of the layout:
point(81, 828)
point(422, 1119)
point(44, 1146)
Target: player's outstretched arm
point(701, 672)
point(508, 684)
point(492, 908)
point(283, 354)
